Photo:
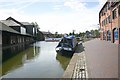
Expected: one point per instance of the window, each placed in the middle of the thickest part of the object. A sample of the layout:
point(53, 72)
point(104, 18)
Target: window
point(106, 9)
point(119, 10)
point(108, 5)
point(105, 21)
point(33, 31)
point(109, 19)
point(23, 30)
point(108, 35)
point(114, 15)
point(115, 34)
point(104, 35)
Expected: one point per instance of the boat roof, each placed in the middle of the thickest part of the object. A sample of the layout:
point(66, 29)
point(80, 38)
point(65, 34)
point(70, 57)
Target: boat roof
point(70, 37)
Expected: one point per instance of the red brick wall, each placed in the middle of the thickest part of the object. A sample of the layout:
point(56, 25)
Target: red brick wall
point(110, 26)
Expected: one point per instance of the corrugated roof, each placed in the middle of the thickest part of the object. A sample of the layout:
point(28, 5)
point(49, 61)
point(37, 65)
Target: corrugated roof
point(46, 32)
point(10, 18)
point(4, 27)
point(0, 26)
point(26, 23)
point(10, 23)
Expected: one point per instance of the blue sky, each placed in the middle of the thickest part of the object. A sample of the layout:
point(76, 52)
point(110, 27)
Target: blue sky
point(42, 7)
point(62, 16)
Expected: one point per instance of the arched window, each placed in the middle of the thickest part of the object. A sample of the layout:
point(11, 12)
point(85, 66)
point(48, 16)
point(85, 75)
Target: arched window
point(108, 35)
point(115, 34)
point(104, 35)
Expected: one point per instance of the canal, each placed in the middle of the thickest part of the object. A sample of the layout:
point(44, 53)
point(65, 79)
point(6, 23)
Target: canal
point(40, 60)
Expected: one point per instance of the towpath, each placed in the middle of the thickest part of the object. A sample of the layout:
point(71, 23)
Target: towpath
point(94, 59)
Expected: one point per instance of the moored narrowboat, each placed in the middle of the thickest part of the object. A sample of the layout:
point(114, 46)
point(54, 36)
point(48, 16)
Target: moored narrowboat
point(67, 45)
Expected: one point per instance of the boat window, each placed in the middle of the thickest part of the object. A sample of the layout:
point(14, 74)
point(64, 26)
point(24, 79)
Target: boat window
point(65, 42)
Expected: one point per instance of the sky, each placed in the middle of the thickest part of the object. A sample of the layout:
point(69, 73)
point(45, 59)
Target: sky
point(62, 16)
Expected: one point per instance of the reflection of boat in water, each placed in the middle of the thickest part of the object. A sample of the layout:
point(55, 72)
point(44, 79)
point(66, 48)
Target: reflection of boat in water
point(64, 61)
point(67, 45)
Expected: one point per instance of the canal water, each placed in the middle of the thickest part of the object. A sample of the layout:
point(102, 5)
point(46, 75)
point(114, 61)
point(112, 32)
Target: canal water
point(40, 60)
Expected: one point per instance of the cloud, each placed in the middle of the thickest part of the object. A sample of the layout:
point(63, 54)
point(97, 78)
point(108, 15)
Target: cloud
point(101, 3)
point(12, 1)
point(57, 7)
point(8, 12)
point(65, 23)
point(75, 4)
point(80, 18)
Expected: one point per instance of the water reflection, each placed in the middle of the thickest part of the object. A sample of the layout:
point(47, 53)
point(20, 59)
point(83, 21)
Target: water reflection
point(64, 61)
point(0, 60)
point(11, 51)
point(14, 57)
point(38, 61)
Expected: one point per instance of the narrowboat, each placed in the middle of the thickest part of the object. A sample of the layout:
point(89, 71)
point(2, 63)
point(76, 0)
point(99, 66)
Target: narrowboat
point(67, 46)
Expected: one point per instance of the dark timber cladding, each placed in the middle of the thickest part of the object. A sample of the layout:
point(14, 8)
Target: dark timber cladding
point(14, 32)
point(0, 38)
point(29, 28)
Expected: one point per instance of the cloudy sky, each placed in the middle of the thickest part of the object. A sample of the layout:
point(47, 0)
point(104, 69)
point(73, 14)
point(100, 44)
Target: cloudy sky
point(62, 16)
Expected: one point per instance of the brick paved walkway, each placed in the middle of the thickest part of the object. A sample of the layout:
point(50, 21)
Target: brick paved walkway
point(80, 70)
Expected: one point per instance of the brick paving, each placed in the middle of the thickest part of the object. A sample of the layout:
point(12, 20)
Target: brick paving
point(80, 70)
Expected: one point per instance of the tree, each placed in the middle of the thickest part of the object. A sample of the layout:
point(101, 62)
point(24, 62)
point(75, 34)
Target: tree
point(77, 35)
point(93, 33)
point(82, 34)
point(70, 33)
point(96, 33)
point(35, 25)
point(73, 33)
point(56, 34)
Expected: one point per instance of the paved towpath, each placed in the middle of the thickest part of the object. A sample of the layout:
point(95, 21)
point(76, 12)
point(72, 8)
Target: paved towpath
point(94, 59)
point(101, 59)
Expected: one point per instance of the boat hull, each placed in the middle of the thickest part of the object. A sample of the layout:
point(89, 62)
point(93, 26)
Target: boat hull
point(65, 52)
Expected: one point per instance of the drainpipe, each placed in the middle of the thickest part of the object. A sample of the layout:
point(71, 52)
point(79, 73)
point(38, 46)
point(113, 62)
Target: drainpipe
point(112, 35)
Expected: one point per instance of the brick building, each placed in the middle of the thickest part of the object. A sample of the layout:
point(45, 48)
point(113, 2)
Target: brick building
point(109, 20)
